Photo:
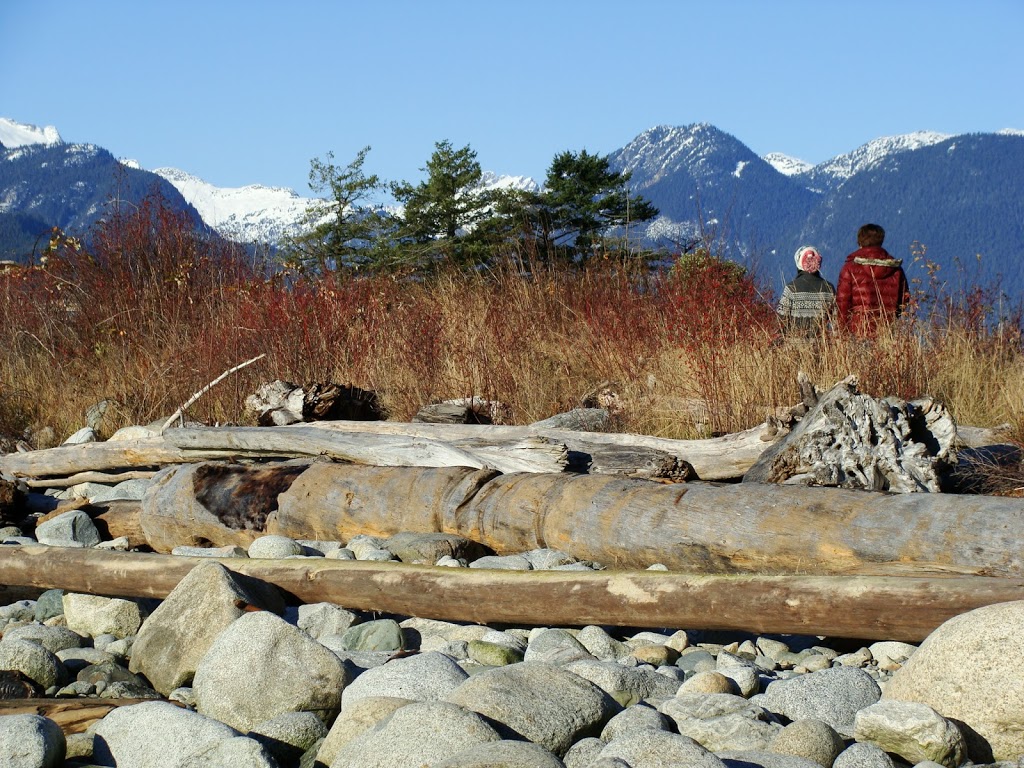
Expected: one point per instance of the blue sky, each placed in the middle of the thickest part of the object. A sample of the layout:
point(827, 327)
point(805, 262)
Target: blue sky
point(240, 92)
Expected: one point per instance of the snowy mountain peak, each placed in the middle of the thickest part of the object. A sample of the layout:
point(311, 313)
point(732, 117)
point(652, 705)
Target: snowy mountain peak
point(491, 180)
point(874, 152)
point(786, 165)
point(13, 134)
point(251, 214)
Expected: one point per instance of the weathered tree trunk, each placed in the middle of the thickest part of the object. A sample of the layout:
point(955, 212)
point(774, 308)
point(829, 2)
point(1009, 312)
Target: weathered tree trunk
point(851, 440)
point(870, 607)
point(281, 402)
point(618, 522)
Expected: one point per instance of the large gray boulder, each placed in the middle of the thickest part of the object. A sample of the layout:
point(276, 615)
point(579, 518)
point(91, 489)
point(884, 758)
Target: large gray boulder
point(35, 662)
point(71, 529)
point(289, 735)
point(30, 741)
point(971, 670)
point(262, 666)
point(176, 636)
point(913, 731)
point(631, 684)
point(94, 615)
point(658, 749)
point(813, 740)
point(354, 720)
point(859, 755)
point(503, 754)
point(539, 702)
point(155, 735)
point(424, 677)
point(53, 639)
point(236, 752)
point(833, 695)
point(722, 721)
point(759, 759)
point(421, 733)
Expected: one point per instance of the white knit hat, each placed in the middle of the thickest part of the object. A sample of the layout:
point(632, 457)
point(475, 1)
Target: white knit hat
point(807, 258)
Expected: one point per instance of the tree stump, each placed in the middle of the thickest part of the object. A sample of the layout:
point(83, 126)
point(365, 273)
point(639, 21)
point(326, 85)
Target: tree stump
point(851, 440)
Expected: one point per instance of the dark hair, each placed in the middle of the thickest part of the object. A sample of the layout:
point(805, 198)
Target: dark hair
point(870, 235)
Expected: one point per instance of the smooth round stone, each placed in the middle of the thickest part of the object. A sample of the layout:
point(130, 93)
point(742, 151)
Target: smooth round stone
point(274, 547)
point(379, 635)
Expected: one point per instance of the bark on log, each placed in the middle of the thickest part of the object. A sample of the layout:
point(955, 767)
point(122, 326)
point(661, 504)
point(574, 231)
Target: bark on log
point(624, 523)
point(869, 607)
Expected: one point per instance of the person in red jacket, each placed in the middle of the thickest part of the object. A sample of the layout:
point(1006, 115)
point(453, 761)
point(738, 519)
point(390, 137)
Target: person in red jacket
point(872, 286)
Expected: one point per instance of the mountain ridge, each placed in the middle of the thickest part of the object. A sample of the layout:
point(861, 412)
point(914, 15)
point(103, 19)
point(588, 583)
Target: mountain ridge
point(955, 196)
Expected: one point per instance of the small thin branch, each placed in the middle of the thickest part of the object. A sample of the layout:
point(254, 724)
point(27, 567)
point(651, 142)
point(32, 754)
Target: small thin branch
point(181, 411)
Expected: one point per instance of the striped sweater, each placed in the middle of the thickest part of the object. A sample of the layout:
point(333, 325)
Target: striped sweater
point(808, 302)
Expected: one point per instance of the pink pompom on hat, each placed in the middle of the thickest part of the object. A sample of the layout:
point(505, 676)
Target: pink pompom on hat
point(807, 259)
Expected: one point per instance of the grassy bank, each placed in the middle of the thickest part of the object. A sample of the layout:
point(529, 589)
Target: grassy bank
point(148, 314)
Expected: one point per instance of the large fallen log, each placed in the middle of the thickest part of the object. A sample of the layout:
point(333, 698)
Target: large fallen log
point(509, 449)
point(619, 522)
point(869, 607)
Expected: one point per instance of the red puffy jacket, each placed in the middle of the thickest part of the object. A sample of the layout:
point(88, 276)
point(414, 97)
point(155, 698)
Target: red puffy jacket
point(872, 288)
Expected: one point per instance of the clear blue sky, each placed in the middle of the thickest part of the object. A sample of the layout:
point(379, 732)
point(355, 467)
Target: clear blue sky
point(247, 91)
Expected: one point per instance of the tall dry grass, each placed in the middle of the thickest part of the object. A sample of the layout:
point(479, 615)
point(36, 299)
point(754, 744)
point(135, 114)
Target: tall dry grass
point(149, 313)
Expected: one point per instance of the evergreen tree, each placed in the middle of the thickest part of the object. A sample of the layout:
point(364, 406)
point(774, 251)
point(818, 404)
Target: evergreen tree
point(444, 207)
point(583, 199)
point(344, 231)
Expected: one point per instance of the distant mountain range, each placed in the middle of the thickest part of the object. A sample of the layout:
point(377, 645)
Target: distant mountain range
point(956, 199)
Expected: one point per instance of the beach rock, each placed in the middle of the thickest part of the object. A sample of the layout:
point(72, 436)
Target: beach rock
point(709, 682)
point(31, 741)
point(230, 550)
point(274, 547)
point(261, 666)
point(155, 735)
point(128, 489)
point(833, 695)
point(658, 749)
point(430, 547)
point(289, 735)
point(721, 721)
point(545, 559)
point(175, 637)
point(638, 717)
point(971, 670)
point(379, 635)
point(814, 740)
point(53, 639)
point(859, 755)
point(601, 645)
point(503, 754)
point(914, 731)
point(74, 528)
point(891, 653)
point(33, 661)
point(93, 615)
point(360, 716)
point(540, 702)
point(236, 752)
point(760, 759)
point(322, 619)
point(583, 754)
point(49, 604)
point(421, 733)
point(492, 654)
point(637, 683)
point(502, 563)
point(424, 677)
point(555, 646)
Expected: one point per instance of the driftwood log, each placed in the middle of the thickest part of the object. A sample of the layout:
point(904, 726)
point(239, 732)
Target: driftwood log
point(869, 607)
point(72, 715)
point(619, 522)
point(508, 449)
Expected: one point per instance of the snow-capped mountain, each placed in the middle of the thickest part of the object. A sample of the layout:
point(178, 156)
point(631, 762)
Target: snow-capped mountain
point(14, 134)
point(957, 195)
point(786, 165)
point(251, 214)
point(870, 155)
